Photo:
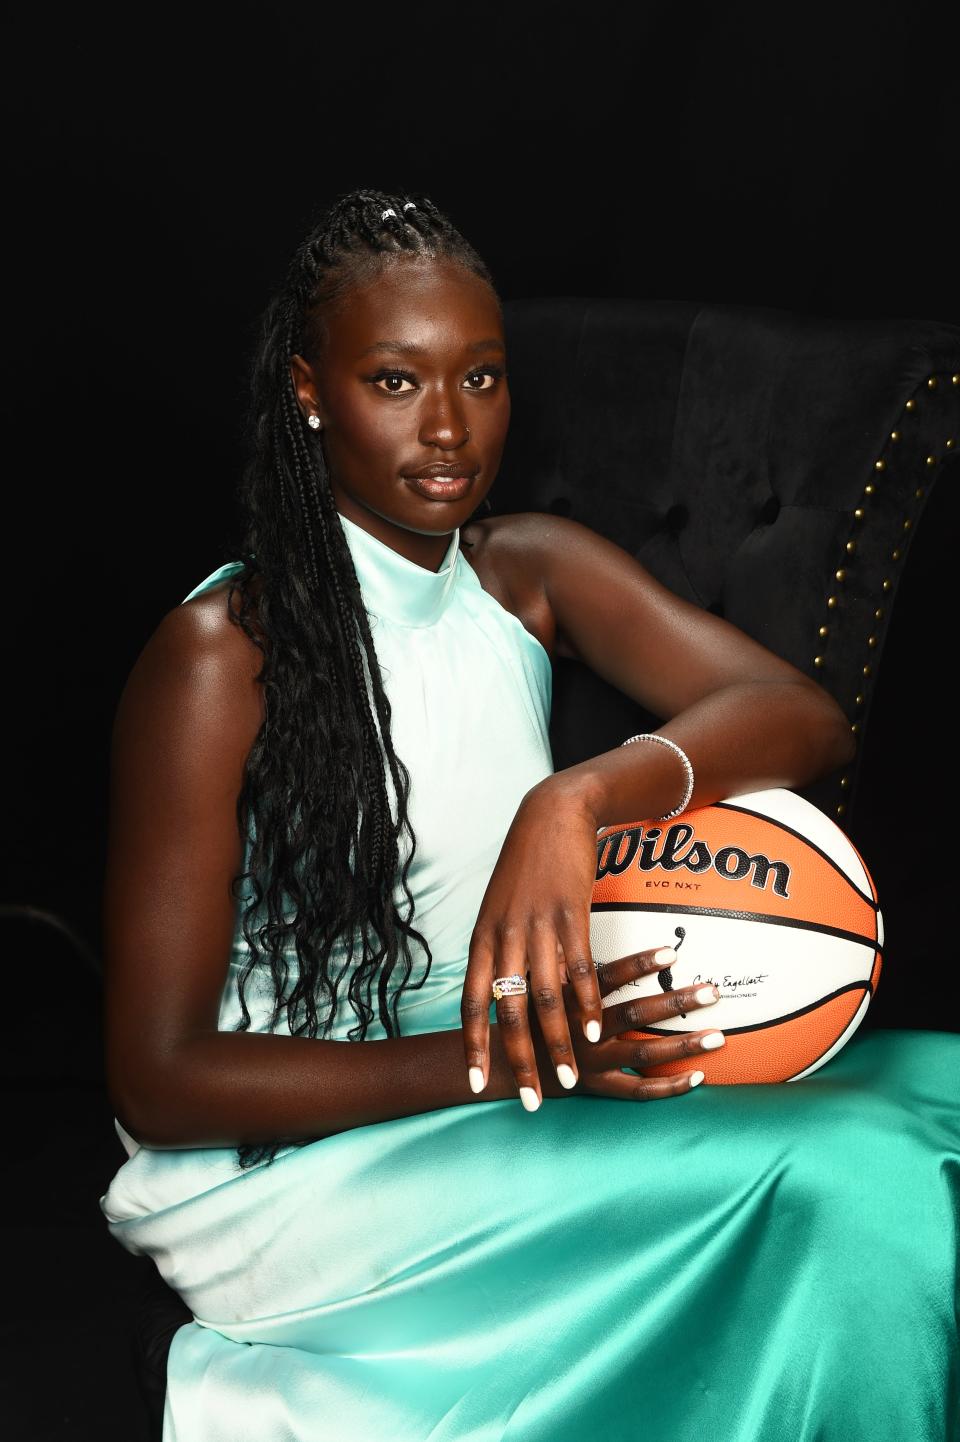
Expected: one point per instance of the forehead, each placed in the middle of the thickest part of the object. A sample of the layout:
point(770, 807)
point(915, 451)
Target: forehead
point(437, 305)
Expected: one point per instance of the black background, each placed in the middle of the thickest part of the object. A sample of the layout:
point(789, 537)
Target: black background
point(163, 162)
point(166, 163)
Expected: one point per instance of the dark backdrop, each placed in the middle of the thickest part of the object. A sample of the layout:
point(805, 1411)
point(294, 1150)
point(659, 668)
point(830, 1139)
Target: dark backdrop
point(166, 162)
point(163, 162)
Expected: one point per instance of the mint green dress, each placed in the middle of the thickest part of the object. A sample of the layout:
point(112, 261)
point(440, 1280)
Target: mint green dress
point(736, 1264)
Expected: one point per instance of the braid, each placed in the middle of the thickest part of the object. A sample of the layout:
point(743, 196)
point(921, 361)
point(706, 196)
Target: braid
point(323, 847)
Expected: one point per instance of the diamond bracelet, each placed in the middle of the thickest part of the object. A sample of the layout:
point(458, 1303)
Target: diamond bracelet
point(665, 741)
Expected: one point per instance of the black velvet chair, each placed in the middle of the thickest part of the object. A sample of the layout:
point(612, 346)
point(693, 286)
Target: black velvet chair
point(774, 469)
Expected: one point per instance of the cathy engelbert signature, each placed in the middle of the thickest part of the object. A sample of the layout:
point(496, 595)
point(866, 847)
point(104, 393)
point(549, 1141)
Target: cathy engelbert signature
point(731, 983)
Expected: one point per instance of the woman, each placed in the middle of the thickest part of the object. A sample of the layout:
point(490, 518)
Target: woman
point(331, 768)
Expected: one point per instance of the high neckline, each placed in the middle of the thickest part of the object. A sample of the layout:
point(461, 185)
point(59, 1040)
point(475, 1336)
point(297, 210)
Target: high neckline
point(395, 588)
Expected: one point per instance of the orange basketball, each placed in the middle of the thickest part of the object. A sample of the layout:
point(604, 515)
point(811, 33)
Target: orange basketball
point(762, 895)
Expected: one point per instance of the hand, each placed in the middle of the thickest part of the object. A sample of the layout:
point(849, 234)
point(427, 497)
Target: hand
point(535, 920)
point(600, 1062)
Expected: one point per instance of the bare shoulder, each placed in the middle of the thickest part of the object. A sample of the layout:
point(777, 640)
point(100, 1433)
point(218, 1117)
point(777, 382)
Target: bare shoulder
point(513, 557)
point(198, 671)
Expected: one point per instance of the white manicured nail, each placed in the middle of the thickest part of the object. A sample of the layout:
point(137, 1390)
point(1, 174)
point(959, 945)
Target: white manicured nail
point(712, 1040)
point(593, 1030)
point(696, 1077)
point(665, 956)
point(476, 1078)
point(705, 995)
point(530, 1099)
point(566, 1076)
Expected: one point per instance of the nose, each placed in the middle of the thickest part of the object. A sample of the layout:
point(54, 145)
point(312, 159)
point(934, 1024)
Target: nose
point(442, 422)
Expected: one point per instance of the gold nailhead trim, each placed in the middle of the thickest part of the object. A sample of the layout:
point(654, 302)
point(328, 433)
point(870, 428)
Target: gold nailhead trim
point(841, 809)
point(824, 631)
point(871, 641)
point(831, 602)
point(911, 405)
point(855, 728)
point(931, 460)
point(880, 465)
point(932, 382)
point(844, 782)
point(878, 614)
point(894, 436)
point(894, 555)
point(950, 443)
point(869, 490)
point(851, 547)
point(818, 660)
point(907, 524)
point(860, 699)
point(919, 493)
point(858, 514)
point(867, 671)
point(888, 585)
point(956, 379)
point(840, 575)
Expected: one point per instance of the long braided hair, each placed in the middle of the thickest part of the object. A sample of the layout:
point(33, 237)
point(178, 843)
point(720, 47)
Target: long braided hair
point(322, 857)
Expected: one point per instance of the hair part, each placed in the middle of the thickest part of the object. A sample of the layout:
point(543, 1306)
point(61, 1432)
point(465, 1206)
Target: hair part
point(322, 860)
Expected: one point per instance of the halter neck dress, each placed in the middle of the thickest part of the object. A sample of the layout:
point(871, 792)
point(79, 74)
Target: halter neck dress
point(737, 1264)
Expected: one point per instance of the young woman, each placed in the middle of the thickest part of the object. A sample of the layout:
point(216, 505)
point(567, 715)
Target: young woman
point(335, 819)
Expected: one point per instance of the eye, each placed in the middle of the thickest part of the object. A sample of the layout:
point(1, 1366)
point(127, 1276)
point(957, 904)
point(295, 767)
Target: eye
point(392, 376)
point(488, 373)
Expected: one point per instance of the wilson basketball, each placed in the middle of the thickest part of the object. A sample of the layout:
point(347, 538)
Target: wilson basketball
point(762, 895)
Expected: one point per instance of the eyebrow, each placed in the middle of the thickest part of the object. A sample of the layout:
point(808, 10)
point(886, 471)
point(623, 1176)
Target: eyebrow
point(406, 348)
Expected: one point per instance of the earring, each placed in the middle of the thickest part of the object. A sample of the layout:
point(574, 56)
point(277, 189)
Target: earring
point(313, 422)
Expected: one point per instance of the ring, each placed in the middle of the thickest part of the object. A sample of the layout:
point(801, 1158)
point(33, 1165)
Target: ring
point(515, 985)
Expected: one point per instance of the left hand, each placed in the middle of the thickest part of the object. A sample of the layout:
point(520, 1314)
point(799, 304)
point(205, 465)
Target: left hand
point(535, 918)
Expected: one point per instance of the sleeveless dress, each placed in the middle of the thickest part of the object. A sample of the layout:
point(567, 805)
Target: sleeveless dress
point(736, 1264)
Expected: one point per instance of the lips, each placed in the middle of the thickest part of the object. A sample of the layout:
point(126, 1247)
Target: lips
point(443, 487)
point(444, 470)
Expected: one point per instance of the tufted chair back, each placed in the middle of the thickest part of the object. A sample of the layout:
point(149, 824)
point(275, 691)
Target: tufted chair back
point(771, 468)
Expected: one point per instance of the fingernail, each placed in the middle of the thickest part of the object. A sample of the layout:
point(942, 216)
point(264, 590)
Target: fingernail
point(696, 1077)
point(592, 1030)
point(665, 956)
point(529, 1098)
point(476, 1078)
point(712, 1040)
point(566, 1076)
point(705, 995)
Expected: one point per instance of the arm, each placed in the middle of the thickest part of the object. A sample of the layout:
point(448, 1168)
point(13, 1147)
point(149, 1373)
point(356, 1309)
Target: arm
point(186, 721)
point(746, 719)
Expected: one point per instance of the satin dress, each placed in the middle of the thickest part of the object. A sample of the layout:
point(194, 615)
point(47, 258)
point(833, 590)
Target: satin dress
point(735, 1264)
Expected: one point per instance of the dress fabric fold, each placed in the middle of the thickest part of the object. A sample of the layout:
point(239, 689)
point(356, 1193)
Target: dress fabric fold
point(737, 1264)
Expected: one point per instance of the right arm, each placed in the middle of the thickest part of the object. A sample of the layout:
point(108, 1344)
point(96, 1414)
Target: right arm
point(186, 722)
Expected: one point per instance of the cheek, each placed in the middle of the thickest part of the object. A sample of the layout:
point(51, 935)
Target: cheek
point(363, 429)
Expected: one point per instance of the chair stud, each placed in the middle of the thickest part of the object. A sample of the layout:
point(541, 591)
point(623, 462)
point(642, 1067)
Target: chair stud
point(880, 465)
point(831, 603)
point(932, 382)
point(888, 585)
point(931, 460)
point(911, 405)
point(868, 670)
point(859, 513)
point(824, 631)
point(840, 575)
point(894, 436)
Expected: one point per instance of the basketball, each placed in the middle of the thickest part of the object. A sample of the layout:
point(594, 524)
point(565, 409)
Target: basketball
point(763, 896)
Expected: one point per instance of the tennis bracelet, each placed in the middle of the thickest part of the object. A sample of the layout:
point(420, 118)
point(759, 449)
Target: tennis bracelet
point(665, 741)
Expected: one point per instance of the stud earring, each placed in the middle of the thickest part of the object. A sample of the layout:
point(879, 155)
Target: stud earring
point(313, 422)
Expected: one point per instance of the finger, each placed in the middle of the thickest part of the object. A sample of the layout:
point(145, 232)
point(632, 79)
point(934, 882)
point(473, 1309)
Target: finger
point(475, 1010)
point(643, 1089)
point(616, 973)
point(512, 1018)
point(574, 931)
point(640, 1011)
point(546, 995)
point(640, 1053)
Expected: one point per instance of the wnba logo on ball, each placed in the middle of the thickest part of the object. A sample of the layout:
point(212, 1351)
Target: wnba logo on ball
point(680, 849)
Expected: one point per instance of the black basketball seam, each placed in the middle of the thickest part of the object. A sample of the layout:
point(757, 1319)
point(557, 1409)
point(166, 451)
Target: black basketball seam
point(863, 986)
point(738, 916)
point(762, 816)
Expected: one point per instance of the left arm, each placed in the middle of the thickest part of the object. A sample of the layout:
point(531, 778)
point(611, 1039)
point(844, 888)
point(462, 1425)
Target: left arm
point(746, 719)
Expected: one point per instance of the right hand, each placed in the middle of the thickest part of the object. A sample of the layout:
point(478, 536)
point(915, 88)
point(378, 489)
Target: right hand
point(598, 1063)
